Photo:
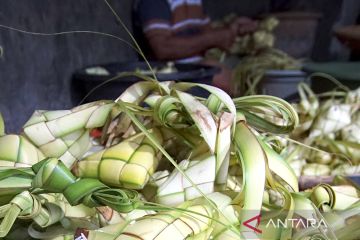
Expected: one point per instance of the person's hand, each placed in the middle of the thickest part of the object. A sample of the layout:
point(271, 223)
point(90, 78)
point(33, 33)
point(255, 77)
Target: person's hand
point(243, 25)
point(224, 38)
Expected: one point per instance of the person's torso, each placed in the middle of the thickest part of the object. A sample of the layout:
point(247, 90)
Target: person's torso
point(184, 18)
point(187, 16)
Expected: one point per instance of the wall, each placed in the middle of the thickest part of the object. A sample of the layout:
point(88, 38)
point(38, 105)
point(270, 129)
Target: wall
point(35, 71)
point(248, 8)
point(331, 13)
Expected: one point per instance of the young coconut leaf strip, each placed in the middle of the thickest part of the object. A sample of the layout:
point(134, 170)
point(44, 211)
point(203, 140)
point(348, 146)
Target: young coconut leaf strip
point(161, 163)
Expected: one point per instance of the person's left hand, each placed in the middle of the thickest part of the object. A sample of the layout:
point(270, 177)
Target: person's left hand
point(243, 25)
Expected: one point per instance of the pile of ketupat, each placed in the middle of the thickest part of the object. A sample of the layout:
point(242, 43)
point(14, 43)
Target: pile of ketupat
point(160, 163)
point(262, 57)
point(253, 55)
point(251, 70)
point(249, 43)
point(331, 124)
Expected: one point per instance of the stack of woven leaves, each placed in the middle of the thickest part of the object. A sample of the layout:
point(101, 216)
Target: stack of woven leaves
point(160, 163)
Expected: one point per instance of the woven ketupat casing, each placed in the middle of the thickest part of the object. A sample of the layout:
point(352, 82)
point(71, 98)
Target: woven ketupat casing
point(17, 151)
point(128, 164)
point(64, 134)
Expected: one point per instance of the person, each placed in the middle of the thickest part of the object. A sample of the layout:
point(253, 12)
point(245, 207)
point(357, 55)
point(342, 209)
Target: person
point(179, 30)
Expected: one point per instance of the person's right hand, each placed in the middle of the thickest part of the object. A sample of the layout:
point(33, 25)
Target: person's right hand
point(240, 26)
point(226, 37)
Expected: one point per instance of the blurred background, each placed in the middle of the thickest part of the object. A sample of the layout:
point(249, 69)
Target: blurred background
point(36, 71)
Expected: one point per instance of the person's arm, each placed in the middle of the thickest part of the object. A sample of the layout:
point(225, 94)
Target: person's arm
point(155, 16)
point(166, 46)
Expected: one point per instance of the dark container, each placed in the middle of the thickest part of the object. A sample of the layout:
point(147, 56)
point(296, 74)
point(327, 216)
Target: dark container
point(282, 83)
point(83, 82)
point(347, 73)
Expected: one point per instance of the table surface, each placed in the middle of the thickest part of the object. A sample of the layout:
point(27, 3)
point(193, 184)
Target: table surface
point(348, 71)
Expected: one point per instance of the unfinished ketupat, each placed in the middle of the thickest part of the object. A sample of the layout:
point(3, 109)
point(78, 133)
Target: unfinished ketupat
point(160, 163)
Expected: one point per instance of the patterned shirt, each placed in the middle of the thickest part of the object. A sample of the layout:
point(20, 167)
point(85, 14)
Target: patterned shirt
point(180, 17)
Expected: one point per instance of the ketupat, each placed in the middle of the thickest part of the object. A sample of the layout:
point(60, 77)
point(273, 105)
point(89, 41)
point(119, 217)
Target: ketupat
point(127, 164)
point(45, 210)
point(190, 220)
point(226, 130)
point(330, 125)
point(65, 134)
point(17, 151)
